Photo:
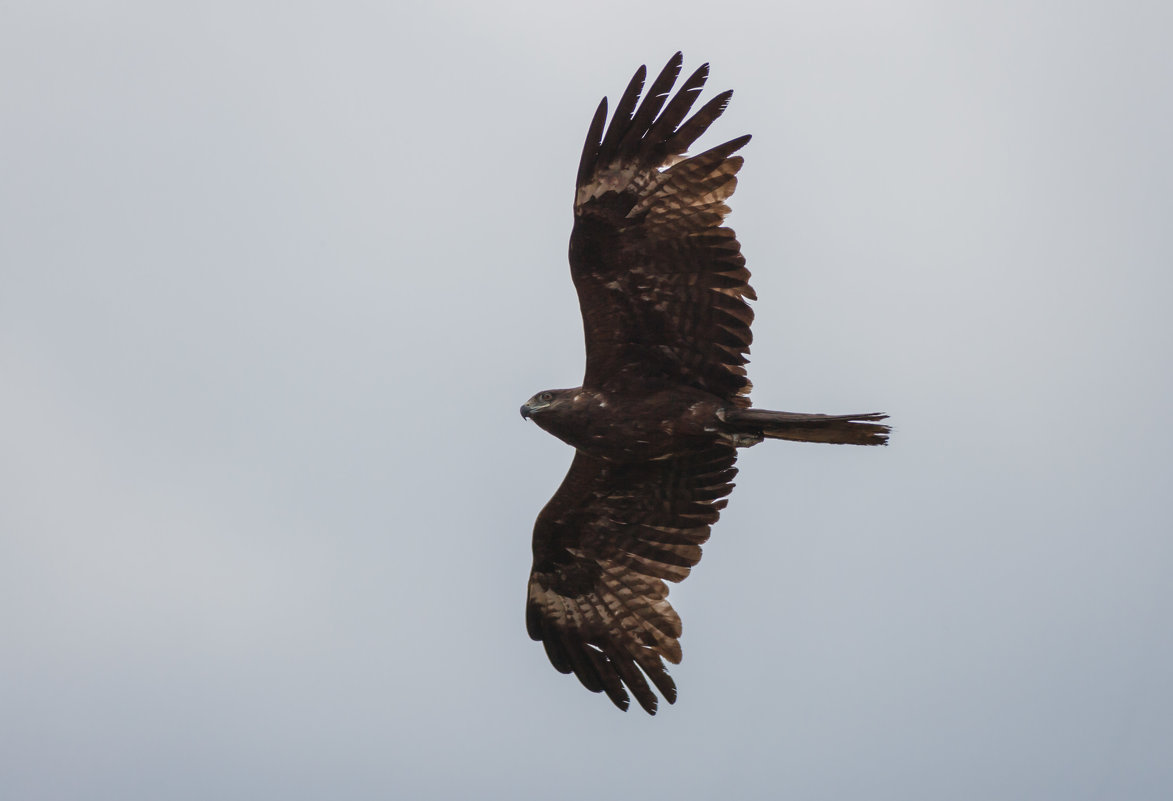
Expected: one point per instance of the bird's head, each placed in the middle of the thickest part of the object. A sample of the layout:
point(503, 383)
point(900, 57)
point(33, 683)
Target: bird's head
point(539, 403)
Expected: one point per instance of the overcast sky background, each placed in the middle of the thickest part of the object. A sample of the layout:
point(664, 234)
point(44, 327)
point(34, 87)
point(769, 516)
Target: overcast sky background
point(275, 278)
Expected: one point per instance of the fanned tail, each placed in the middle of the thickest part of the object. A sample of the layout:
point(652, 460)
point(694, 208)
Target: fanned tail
point(842, 429)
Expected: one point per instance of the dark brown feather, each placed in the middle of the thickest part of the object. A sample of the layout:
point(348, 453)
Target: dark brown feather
point(656, 273)
point(678, 108)
point(603, 547)
point(590, 149)
point(623, 112)
point(649, 108)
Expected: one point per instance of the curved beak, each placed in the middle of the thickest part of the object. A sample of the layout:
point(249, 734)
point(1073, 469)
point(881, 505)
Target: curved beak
point(525, 411)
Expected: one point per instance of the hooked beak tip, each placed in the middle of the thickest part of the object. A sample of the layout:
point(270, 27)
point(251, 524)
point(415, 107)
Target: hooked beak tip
point(524, 412)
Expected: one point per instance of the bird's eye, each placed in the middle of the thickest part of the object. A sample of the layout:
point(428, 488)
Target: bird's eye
point(546, 397)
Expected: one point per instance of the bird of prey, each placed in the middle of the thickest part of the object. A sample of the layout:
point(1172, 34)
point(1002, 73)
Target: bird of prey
point(664, 402)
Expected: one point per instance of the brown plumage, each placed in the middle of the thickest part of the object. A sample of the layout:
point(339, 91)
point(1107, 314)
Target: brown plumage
point(665, 400)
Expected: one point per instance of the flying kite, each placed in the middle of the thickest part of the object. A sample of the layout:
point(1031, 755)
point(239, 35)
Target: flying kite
point(664, 403)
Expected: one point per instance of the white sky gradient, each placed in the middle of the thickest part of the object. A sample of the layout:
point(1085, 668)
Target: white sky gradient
point(275, 278)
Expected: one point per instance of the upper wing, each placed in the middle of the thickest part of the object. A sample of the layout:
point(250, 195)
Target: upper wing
point(602, 547)
point(660, 282)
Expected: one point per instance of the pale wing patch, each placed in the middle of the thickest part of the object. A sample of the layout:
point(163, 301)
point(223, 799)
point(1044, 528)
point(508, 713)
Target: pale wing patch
point(695, 184)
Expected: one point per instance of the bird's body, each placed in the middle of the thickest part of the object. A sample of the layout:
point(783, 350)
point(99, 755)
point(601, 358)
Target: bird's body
point(635, 427)
point(665, 400)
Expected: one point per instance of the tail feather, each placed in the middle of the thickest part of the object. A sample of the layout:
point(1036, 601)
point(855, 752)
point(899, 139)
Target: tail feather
point(844, 429)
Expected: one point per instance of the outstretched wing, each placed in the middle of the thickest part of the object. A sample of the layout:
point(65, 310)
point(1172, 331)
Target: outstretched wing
point(603, 547)
point(661, 283)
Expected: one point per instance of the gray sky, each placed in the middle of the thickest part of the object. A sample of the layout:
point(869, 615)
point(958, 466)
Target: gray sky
point(275, 278)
